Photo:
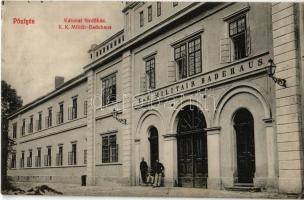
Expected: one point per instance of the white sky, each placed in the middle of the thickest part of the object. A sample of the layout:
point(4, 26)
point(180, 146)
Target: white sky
point(33, 55)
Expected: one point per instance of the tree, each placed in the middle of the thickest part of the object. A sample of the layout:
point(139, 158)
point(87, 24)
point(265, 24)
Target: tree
point(10, 102)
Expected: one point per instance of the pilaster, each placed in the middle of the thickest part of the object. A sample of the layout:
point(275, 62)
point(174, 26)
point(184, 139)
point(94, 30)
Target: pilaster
point(288, 104)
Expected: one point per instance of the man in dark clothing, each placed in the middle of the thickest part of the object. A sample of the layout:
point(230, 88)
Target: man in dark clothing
point(159, 170)
point(143, 170)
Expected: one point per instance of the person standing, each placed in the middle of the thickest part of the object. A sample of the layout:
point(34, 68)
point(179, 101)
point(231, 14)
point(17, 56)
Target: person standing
point(158, 170)
point(143, 170)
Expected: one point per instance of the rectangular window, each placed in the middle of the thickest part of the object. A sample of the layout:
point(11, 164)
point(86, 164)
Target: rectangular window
point(194, 56)
point(59, 156)
point(31, 125)
point(149, 13)
point(60, 114)
point(109, 89)
point(38, 158)
point(150, 73)
point(74, 108)
point(109, 149)
point(72, 156)
point(30, 159)
point(237, 34)
point(22, 160)
point(85, 157)
point(175, 3)
point(23, 127)
point(13, 160)
point(49, 117)
point(48, 157)
point(188, 58)
point(180, 56)
point(158, 11)
point(14, 130)
point(85, 109)
point(39, 121)
point(141, 18)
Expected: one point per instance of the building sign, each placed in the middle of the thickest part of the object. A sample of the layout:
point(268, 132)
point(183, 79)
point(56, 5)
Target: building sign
point(204, 80)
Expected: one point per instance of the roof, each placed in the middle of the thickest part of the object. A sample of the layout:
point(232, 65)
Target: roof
point(70, 83)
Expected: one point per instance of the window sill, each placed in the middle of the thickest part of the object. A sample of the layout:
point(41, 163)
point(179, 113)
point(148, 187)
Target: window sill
point(69, 121)
point(108, 105)
point(106, 164)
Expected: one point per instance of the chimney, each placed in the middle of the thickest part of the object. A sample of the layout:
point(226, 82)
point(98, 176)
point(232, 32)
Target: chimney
point(59, 80)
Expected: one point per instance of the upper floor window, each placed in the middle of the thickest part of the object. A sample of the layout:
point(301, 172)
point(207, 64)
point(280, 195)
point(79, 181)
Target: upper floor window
point(23, 127)
point(150, 73)
point(60, 114)
point(149, 13)
point(175, 3)
point(158, 11)
point(109, 89)
point(85, 109)
point(39, 124)
point(14, 130)
point(73, 110)
point(48, 119)
point(237, 34)
point(22, 160)
point(188, 58)
point(31, 124)
point(141, 18)
point(109, 149)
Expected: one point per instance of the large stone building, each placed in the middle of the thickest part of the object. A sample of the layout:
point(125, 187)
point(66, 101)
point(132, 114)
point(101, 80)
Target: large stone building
point(190, 84)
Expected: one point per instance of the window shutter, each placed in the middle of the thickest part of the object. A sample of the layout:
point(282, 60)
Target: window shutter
point(143, 83)
point(248, 41)
point(172, 71)
point(225, 50)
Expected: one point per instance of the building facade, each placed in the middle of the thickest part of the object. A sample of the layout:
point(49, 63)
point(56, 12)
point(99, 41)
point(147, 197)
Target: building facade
point(184, 83)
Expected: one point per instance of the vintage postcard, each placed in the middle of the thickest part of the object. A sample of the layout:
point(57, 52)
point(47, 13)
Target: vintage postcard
point(153, 98)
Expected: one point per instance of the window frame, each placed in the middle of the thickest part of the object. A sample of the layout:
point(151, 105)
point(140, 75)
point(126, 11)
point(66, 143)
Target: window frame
point(107, 154)
point(182, 53)
point(109, 83)
point(242, 33)
point(150, 11)
point(141, 19)
point(15, 125)
point(149, 70)
point(158, 9)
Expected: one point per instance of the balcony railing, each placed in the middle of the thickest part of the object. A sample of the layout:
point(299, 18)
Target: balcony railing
point(47, 160)
point(37, 161)
point(29, 162)
point(59, 159)
point(72, 158)
point(21, 162)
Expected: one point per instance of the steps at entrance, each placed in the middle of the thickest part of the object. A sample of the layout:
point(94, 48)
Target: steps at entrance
point(243, 187)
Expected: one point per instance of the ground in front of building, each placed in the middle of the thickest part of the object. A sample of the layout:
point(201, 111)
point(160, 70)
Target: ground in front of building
point(148, 191)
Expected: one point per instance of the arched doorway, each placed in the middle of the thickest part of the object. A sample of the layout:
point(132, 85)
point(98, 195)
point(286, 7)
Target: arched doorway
point(244, 129)
point(153, 139)
point(192, 148)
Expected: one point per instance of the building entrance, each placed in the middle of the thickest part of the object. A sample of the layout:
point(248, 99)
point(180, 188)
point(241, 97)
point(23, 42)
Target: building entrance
point(192, 148)
point(153, 138)
point(244, 129)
